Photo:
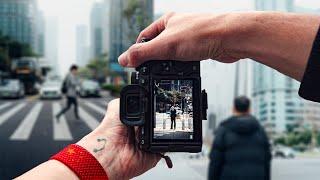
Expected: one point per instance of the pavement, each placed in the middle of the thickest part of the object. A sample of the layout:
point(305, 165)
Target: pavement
point(185, 168)
point(184, 127)
point(30, 134)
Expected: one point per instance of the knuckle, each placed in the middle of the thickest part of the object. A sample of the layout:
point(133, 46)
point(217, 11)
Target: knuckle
point(134, 54)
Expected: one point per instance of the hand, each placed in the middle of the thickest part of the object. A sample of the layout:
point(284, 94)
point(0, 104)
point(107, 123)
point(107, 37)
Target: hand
point(113, 144)
point(184, 37)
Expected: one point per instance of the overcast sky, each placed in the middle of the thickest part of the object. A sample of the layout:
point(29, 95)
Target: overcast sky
point(73, 12)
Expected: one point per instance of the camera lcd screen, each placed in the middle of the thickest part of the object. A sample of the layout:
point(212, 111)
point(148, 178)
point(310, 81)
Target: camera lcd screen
point(173, 110)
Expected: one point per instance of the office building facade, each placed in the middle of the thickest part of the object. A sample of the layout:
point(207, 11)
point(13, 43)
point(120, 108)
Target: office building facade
point(18, 20)
point(82, 47)
point(124, 29)
point(275, 99)
point(99, 29)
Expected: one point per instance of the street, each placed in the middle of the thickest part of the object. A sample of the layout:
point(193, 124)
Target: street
point(185, 168)
point(29, 133)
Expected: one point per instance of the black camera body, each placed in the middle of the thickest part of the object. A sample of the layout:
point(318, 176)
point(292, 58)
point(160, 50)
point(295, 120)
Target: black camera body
point(166, 103)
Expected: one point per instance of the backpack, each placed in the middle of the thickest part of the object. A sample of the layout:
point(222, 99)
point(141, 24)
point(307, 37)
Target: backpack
point(64, 87)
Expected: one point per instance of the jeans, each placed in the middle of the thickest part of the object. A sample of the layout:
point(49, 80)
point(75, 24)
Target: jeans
point(70, 101)
point(173, 122)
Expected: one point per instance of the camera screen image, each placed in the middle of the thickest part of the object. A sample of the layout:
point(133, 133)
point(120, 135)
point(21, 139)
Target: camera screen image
point(173, 109)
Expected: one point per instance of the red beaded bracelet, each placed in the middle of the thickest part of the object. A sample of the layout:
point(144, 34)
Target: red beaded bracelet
point(81, 162)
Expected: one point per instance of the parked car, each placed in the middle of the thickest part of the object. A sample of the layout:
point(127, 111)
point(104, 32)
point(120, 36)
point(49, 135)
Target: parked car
point(51, 90)
point(11, 88)
point(283, 152)
point(89, 88)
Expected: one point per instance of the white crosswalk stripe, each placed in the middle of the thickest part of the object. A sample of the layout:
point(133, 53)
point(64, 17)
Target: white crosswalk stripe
point(5, 116)
point(4, 105)
point(24, 130)
point(91, 122)
point(96, 108)
point(60, 128)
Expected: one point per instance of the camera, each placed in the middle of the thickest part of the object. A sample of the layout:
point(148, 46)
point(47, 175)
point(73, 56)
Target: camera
point(165, 102)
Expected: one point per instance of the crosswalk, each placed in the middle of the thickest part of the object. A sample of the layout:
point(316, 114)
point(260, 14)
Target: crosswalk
point(27, 117)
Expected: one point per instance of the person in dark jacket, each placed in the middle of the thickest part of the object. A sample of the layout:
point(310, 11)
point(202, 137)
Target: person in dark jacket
point(241, 149)
point(173, 115)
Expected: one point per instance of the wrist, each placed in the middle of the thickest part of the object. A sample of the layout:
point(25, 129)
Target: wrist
point(99, 144)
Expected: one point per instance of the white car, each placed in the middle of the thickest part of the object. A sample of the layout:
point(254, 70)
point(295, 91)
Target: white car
point(283, 152)
point(51, 90)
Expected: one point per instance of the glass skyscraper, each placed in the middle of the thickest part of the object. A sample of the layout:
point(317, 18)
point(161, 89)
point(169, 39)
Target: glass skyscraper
point(275, 99)
point(120, 39)
point(18, 21)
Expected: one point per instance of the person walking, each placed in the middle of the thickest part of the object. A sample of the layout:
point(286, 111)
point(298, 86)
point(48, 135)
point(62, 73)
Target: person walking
point(70, 84)
point(173, 115)
point(241, 149)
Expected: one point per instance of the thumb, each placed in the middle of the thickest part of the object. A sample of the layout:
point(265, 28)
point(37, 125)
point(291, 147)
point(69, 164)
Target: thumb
point(141, 52)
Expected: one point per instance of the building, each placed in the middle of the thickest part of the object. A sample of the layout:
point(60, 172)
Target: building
point(124, 26)
point(40, 35)
point(82, 47)
point(18, 20)
point(99, 29)
point(275, 96)
point(51, 43)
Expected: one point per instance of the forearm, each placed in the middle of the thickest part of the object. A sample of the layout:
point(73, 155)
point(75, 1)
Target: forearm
point(50, 170)
point(282, 41)
point(101, 149)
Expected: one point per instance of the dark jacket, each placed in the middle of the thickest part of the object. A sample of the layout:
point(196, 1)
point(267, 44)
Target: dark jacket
point(173, 113)
point(240, 151)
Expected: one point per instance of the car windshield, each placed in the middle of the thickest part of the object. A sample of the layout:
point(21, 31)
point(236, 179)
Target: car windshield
point(9, 83)
point(89, 84)
point(51, 84)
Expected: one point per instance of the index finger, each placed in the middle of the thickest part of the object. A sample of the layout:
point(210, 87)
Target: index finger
point(154, 29)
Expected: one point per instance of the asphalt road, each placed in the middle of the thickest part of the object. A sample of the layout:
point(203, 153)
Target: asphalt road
point(185, 168)
point(29, 133)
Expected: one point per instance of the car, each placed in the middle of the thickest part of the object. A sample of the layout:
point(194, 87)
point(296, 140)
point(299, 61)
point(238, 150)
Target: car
point(11, 88)
point(51, 90)
point(283, 152)
point(89, 88)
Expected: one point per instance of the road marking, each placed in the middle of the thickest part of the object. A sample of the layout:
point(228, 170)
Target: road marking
point(7, 104)
point(61, 130)
point(96, 108)
point(91, 122)
point(24, 130)
point(4, 117)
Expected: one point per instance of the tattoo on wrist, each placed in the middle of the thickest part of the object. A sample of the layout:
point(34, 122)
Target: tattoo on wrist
point(103, 142)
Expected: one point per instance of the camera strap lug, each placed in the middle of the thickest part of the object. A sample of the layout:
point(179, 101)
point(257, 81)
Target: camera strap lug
point(204, 104)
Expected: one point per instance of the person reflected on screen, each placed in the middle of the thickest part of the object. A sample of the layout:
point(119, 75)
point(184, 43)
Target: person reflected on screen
point(173, 115)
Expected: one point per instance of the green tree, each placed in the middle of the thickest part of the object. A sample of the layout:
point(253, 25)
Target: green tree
point(136, 17)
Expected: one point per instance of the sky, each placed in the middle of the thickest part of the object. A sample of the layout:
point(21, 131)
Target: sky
point(74, 12)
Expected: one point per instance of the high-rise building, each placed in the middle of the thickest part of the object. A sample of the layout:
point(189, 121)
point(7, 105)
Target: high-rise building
point(275, 99)
point(40, 35)
point(124, 26)
point(99, 28)
point(82, 47)
point(51, 43)
point(18, 20)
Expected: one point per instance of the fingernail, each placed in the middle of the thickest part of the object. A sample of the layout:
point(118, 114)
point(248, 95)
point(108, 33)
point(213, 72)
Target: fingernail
point(123, 61)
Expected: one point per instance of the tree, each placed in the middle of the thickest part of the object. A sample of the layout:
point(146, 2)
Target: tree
point(137, 18)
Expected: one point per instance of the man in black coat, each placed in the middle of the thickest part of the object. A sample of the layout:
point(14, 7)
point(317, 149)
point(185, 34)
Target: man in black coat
point(241, 150)
point(173, 115)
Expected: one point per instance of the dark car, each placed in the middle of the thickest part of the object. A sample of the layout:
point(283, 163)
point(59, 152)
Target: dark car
point(11, 88)
point(89, 88)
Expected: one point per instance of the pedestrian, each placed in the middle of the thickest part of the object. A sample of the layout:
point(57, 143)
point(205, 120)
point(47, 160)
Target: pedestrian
point(173, 115)
point(70, 84)
point(241, 148)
